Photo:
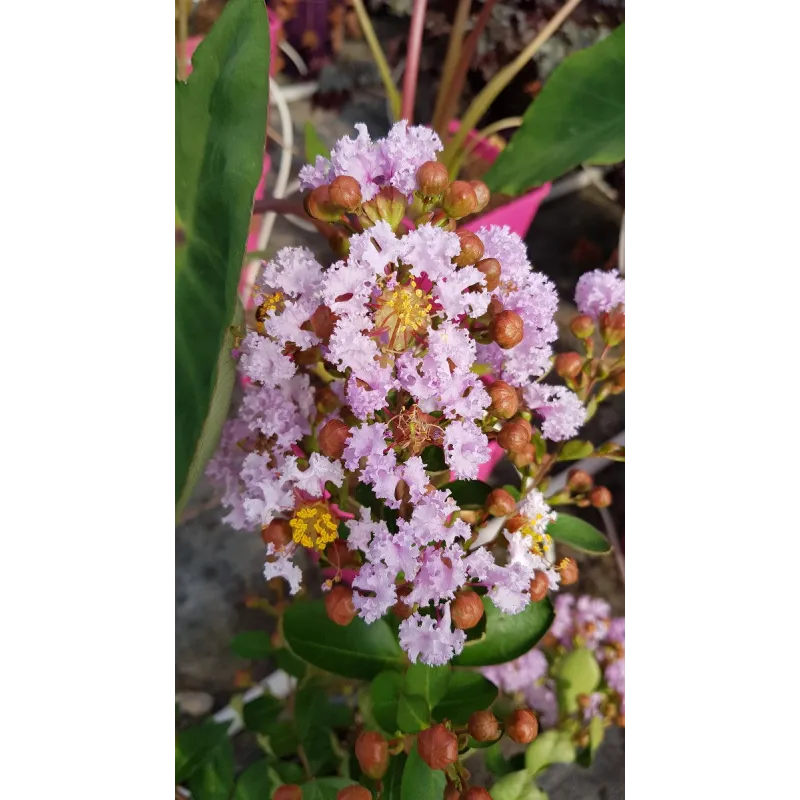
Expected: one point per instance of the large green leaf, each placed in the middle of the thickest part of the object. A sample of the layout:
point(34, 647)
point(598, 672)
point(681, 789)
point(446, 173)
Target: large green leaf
point(356, 650)
point(578, 118)
point(420, 782)
point(550, 747)
point(195, 746)
point(385, 691)
point(255, 783)
point(413, 713)
point(466, 693)
point(214, 779)
point(220, 126)
point(252, 644)
point(469, 494)
point(578, 534)
point(393, 780)
point(261, 713)
point(517, 786)
point(428, 682)
point(507, 636)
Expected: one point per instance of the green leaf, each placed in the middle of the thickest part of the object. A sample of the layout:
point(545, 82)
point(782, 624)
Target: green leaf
point(393, 780)
point(220, 127)
point(578, 118)
point(324, 788)
point(420, 782)
point(385, 692)
point(356, 650)
point(467, 692)
point(612, 451)
point(428, 682)
point(517, 786)
point(214, 779)
point(596, 733)
point(496, 762)
point(314, 145)
point(578, 534)
point(290, 663)
point(196, 745)
point(512, 490)
point(469, 494)
point(575, 450)
point(261, 713)
point(507, 636)
point(282, 739)
point(252, 645)
point(433, 458)
point(255, 783)
point(550, 747)
point(576, 673)
point(413, 713)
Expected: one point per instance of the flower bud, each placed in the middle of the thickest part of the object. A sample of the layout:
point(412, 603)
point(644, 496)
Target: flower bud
point(327, 400)
point(389, 205)
point(539, 586)
point(500, 503)
point(569, 571)
point(277, 533)
point(600, 497)
point(522, 726)
point(354, 792)
point(320, 206)
point(459, 200)
point(507, 329)
point(612, 327)
point(339, 242)
point(482, 194)
point(466, 610)
point(568, 365)
point(289, 791)
point(339, 605)
point(582, 326)
point(307, 357)
point(579, 481)
point(476, 793)
point(432, 179)
point(515, 523)
point(344, 191)
point(451, 793)
point(372, 752)
point(437, 747)
point(505, 400)
point(491, 269)
point(333, 437)
point(619, 382)
point(514, 435)
point(495, 306)
point(323, 321)
point(483, 726)
point(471, 248)
point(524, 457)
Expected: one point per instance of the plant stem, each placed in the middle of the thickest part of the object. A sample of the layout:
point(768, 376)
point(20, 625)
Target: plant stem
point(480, 105)
point(412, 59)
point(377, 54)
point(500, 125)
point(450, 63)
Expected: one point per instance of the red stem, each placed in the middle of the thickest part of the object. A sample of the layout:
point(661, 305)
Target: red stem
point(412, 59)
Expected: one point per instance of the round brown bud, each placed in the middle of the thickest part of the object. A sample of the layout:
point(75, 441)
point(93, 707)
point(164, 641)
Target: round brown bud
point(522, 726)
point(289, 791)
point(582, 326)
point(466, 610)
point(459, 200)
point(323, 321)
point(500, 503)
point(515, 523)
point(344, 191)
point(491, 269)
point(320, 206)
point(471, 248)
point(507, 329)
point(277, 533)
point(483, 726)
point(569, 571)
point(327, 400)
point(476, 793)
point(568, 365)
point(579, 481)
point(451, 793)
point(432, 179)
point(619, 381)
point(539, 586)
point(354, 792)
point(514, 435)
point(612, 327)
point(333, 437)
point(600, 497)
point(505, 401)
point(482, 194)
point(437, 747)
point(372, 752)
point(339, 604)
point(524, 457)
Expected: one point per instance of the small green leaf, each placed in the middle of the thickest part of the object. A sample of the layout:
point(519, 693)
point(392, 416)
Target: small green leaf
point(578, 534)
point(290, 663)
point(196, 745)
point(261, 713)
point(357, 650)
point(428, 682)
point(255, 783)
point(596, 733)
point(539, 445)
point(507, 636)
point(214, 779)
point(550, 747)
point(517, 786)
point(393, 780)
point(433, 458)
point(324, 788)
point(314, 145)
point(575, 450)
point(385, 692)
point(469, 494)
point(413, 713)
point(420, 782)
point(612, 451)
point(252, 645)
point(576, 673)
point(282, 739)
point(495, 760)
point(466, 693)
point(513, 491)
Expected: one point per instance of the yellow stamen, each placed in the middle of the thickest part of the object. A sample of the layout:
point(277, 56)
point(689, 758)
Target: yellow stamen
point(313, 526)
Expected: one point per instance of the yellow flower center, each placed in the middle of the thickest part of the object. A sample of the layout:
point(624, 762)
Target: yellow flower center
point(540, 542)
point(313, 526)
point(403, 312)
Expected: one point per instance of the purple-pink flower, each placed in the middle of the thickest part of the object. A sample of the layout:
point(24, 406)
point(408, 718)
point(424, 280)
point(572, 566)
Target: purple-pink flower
point(599, 291)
